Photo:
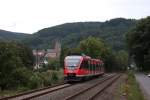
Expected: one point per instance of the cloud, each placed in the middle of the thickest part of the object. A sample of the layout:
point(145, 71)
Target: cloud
point(31, 15)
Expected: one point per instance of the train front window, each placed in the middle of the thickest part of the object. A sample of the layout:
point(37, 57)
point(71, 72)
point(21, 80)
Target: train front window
point(72, 62)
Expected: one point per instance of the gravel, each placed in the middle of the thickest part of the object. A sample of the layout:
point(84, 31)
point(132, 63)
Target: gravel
point(113, 92)
point(63, 93)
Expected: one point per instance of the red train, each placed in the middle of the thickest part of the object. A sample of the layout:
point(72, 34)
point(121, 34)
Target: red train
point(77, 67)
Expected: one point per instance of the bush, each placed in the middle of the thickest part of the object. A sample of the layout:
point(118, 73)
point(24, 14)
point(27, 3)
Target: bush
point(35, 81)
point(54, 64)
point(46, 76)
point(54, 77)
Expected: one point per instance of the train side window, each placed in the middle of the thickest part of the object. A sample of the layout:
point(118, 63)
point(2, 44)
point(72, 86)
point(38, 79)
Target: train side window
point(82, 65)
point(86, 64)
point(97, 66)
point(89, 65)
point(100, 66)
point(94, 66)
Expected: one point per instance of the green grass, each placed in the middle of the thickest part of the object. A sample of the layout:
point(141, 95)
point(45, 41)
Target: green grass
point(13, 92)
point(134, 92)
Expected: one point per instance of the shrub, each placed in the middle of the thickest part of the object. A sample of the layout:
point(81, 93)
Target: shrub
point(35, 81)
point(54, 76)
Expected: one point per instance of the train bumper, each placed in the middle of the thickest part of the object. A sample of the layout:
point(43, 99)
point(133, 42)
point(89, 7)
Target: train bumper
point(72, 77)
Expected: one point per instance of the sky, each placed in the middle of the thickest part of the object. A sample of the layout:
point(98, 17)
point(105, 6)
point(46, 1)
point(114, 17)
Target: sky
point(29, 16)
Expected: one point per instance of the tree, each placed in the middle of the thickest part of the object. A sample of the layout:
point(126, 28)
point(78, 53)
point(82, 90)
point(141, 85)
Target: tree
point(13, 65)
point(26, 55)
point(122, 60)
point(138, 40)
point(97, 48)
point(93, 47)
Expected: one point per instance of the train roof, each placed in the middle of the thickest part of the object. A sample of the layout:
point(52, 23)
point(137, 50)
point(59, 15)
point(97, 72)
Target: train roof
point(73, 57)
point(77, 56)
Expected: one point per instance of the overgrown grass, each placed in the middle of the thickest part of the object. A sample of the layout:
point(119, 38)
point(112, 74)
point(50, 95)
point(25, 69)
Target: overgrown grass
point(133, 90)
point(13, 92)
point(37, 80)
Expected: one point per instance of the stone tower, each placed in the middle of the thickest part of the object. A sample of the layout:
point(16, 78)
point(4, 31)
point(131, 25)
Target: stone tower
point(57, 49)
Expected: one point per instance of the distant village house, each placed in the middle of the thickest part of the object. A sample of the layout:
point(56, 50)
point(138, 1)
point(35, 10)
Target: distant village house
point(42, 56)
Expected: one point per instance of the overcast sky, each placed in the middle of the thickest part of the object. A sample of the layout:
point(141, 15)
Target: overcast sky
point(29, 16)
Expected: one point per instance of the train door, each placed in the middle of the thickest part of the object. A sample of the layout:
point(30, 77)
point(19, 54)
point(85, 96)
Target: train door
point(89, 68)
point(84, 66)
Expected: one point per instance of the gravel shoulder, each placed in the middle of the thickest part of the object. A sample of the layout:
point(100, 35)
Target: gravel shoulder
point(114, 91)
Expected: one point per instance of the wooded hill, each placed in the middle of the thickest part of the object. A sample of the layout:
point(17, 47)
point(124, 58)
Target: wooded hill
point(12, 36)
point(70, 34)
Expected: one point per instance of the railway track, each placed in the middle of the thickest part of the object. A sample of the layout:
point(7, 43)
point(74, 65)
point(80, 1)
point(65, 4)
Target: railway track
point(105, 87)
point(89, 93)
point(37, 92)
